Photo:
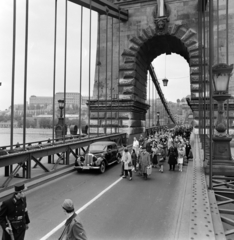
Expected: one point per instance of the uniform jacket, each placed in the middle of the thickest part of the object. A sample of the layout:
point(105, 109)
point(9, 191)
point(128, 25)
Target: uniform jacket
point(74, 229)
point(16, 211)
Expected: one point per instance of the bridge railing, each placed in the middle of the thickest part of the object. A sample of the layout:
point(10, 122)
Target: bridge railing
point(62, 149)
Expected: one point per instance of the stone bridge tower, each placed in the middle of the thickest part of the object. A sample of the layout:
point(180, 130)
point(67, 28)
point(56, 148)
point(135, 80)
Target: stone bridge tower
point(154, 27)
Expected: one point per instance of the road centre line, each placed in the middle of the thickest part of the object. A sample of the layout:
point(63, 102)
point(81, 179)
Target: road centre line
point(80, 210)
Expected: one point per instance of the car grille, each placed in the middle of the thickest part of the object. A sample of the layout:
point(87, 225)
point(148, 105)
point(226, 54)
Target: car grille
point(88, 159)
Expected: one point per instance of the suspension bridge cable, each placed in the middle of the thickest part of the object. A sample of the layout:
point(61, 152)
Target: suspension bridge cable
point(54, 70)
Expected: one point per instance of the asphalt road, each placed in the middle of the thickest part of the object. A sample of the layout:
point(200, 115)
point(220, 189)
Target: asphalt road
point(138, 209)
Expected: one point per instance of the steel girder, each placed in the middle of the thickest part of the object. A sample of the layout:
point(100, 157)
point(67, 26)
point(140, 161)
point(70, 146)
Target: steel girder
point(104, 7)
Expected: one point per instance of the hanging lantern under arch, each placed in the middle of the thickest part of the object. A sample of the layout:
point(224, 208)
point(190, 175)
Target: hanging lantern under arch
point(165, 82)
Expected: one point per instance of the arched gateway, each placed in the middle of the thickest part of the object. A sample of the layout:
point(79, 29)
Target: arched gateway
point(153, 28)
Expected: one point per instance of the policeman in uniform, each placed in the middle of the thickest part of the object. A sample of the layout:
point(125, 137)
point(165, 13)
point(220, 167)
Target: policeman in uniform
point(14, 215)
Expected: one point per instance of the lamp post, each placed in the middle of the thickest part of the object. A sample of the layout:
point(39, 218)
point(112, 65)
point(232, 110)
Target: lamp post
point(221, 142)
point(61, 127)
point(61, 107)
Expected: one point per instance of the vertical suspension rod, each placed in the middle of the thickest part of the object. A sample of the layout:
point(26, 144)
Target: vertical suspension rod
point(111, 69)
point(152, 106)
point(81, 44)
point(107, 11)
point(54, 73)
point(25, 74)
point(65, 68)
point(200, 49)
point(99, 65)
point(227, 57)
point(13, 73)
point(204, 73)
point(211, 46)
point(118, 68)
point(90, 38)
point(149, 100)
point(217, 31)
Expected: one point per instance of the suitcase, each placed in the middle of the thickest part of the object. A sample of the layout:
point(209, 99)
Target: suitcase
point(149, 170)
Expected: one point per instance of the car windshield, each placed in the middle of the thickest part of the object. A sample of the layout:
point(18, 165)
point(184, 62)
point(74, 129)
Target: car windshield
point(97, 147)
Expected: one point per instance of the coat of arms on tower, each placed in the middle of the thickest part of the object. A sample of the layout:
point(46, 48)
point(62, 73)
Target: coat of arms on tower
point(161, 13)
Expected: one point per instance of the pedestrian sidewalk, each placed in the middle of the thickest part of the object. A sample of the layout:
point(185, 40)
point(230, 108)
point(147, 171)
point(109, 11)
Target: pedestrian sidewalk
point(199, 203)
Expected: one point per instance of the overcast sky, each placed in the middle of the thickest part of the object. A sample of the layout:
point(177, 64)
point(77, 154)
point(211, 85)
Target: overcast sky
point(41, 48)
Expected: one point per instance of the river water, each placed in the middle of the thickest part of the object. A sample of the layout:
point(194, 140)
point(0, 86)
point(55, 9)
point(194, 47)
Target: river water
point(32, 135)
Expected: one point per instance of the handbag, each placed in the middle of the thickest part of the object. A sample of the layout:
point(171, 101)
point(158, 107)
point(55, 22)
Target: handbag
point(129, 164)
point(137, 166)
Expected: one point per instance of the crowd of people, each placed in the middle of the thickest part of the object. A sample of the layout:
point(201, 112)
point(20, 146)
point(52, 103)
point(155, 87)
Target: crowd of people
point(154, 151)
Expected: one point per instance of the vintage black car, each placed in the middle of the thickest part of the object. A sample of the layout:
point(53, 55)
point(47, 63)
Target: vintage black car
point(98, 156)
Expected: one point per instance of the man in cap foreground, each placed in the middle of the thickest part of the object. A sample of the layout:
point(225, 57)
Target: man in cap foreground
point(14, 215)
point(73, 228)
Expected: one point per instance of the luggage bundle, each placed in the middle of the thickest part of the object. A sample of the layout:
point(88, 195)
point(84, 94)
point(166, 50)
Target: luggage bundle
point(149, 170)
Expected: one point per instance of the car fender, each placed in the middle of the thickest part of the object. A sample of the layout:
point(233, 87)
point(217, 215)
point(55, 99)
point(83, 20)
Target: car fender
point(99, 160)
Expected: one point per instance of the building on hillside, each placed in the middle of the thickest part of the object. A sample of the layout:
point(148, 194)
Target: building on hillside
point(72, 98)
point(8, 124)
point(40, 100)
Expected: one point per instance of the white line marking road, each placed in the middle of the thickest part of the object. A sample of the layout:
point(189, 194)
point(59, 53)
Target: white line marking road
point(80, 210)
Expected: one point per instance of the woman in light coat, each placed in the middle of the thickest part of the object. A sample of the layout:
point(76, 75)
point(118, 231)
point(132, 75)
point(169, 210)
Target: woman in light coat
point(127, 161)
point(181, 153)
point(136, 146)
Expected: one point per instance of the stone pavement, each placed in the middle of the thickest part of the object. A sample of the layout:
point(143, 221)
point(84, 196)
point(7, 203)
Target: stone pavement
point(205, 221)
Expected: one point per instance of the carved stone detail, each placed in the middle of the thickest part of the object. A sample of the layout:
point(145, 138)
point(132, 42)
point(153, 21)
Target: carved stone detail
point(161, 25)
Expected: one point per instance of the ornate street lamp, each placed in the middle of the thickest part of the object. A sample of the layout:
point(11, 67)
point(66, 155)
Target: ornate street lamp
point(61, 107)
point(221, 77)
point(61, 127)
point(165, 81)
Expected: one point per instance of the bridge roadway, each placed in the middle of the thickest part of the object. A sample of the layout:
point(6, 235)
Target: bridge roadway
point(137, 209)
point(170, 205)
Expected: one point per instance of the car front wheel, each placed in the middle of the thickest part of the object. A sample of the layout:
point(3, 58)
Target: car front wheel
point(102, 167)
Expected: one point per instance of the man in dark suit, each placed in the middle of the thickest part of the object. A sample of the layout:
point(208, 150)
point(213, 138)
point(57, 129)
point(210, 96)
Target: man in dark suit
point(73, 227)
point(187, 150)
point(14, 215)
